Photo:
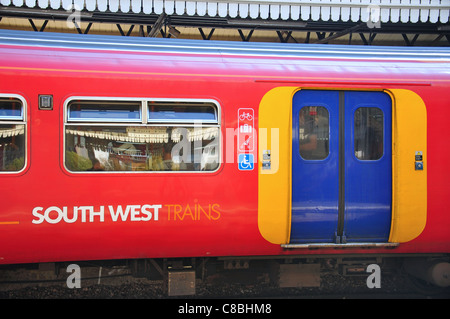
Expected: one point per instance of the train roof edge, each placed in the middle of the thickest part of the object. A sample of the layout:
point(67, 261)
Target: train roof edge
point(224, 48)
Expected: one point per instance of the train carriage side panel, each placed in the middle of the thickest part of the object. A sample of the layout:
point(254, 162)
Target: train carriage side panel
point(201, 213)
point(236, 210)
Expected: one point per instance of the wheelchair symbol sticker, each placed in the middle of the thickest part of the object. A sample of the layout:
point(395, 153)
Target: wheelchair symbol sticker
point(245, 162)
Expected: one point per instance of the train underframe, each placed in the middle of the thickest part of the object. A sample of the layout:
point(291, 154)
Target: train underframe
point(429, 273)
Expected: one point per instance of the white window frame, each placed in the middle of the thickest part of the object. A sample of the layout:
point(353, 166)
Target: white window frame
point(144, 122)
point(16, 120)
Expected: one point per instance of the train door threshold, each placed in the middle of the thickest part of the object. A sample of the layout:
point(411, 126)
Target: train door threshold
point(341, 246)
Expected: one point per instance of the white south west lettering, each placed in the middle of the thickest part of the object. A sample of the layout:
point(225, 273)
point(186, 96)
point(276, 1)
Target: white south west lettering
point(54, 214)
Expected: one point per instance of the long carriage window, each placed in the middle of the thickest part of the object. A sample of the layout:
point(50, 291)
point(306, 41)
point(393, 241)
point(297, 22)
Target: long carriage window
point(141, 136)
point(368, 133)
point(12, 135)
point(314, 132)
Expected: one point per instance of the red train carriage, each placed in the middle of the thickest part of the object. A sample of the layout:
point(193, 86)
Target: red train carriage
point(124, 148)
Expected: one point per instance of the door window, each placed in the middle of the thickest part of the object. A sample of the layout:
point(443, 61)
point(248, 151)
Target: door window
point(368, 133)
point(314, 132)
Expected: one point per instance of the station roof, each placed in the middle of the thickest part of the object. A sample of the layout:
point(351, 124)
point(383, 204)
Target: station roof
point(303, 10)
point(394, 22)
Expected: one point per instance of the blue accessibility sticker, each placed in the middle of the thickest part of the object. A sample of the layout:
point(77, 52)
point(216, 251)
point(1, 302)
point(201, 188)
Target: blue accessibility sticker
point(245, 162)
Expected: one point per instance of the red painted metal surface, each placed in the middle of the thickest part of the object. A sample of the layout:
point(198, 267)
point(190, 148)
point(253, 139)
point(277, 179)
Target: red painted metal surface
point(201, 214)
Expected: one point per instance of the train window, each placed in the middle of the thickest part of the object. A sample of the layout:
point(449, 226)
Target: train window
point(12, 134)
point(11, 109)
point(368, 133)
point(101, 111)
point(314, 132)
point(181, 112)
point(170, 137)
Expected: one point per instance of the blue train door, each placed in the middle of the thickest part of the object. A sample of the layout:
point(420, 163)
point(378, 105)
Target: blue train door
point(341, 167)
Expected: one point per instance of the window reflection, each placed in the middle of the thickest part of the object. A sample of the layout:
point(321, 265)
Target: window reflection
point(12, 135)
point(12, 147)
point(141, 135)
point(314, 132)
point(141, 148)
point(368, 133)
point(105, 112)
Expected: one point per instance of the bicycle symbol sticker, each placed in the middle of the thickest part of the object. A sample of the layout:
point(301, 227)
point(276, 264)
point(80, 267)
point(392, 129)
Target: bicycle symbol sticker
point(245, 131)
point(245, 162)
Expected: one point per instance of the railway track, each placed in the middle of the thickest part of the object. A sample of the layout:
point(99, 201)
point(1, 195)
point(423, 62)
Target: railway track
point(117, 282)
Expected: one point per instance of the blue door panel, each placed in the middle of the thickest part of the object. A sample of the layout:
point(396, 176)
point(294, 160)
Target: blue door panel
point(315, 182)
point(364, 215)
point(368, 183)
